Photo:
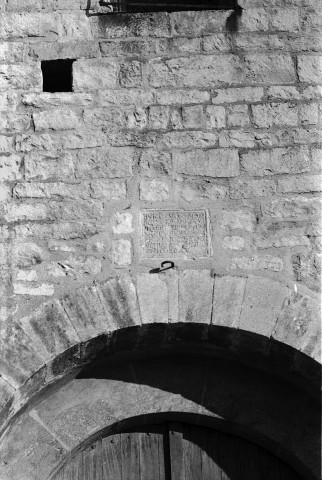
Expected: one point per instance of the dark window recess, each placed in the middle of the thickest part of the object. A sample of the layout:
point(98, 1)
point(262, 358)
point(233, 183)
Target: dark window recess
point(57, 75)
point(136, 6)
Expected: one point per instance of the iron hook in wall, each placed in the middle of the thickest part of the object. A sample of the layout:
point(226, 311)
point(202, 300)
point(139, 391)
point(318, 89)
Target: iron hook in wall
point(163, 268)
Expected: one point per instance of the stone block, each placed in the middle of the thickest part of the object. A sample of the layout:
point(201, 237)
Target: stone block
point(195, 296)
point(154, 190)
point(106, 162)
point(300, 184)
point(134, 25)
point(265, 262)
point(6, 392)
point(120, 302)
point(228, 300)
point(269, 68)
point(108, 189)
point(210, 163)
point(285, 19)
point(309, 114)
point(188, 139)
point(262, 305)
point(233, 243)
point(129, 96)
point(29, 24)
point(239, 219)
point(75, 25)
point(58, 99)
point(233, 95)
point(12, 52)
point(40, 167)
point(293, 208)
point(275, 114)
point(64, 119)
point(307, 269)
point(198, 71)
point(50, 329)
point(216, 117)
point(276, 161)
point(193, 117)
point(181, 97)
point(310, 68)
point(50, 190)
point(18, 364)
point(122, 252)
point(200, 190)
point(196, 24)
point(75, 210)
point(248, 188)
point(254, 20)
point(42, 290)
point(216, 43)
point(25, 255)
point(153, 297)
point(238, 138)
point(28, 5)
point(131, 74)
point(94, 74)
point(317, 158)
point(61, 50)
point(159, 117)
point(20, 76)
point(5, 144)
point(294, 325)
point(154, 163)
point(122, 223)
point(282, 240)
point(85, 310)
point(237, 116)
point(136, 119)
point(10, 168)
point(25, 211)
point(5, 192)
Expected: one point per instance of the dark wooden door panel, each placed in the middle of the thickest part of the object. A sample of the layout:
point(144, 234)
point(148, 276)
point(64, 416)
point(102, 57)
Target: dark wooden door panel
point(174, 452)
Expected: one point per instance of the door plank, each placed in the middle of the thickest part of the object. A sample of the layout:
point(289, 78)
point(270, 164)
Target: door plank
point(151, 454)
point(192, 439)
point(130, 455)
point(210, 456)
point(92, 458)
point(176, 451)
point(111, 458)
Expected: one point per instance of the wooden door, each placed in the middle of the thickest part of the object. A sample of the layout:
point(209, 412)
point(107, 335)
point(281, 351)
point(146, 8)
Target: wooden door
point(174, 451)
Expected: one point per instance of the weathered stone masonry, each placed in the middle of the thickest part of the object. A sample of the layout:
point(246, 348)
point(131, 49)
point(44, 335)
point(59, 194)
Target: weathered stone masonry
point(168, 112)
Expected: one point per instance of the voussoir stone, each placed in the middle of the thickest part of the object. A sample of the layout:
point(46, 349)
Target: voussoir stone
point(195, 296)
point(262, 304)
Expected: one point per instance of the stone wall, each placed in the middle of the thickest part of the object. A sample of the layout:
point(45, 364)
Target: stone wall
point(169, 111)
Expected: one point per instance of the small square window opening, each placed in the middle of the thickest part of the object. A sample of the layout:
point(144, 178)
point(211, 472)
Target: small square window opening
point(57, 75)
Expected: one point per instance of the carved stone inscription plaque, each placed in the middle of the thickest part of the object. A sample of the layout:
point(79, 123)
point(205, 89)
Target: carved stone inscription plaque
point(174, 234)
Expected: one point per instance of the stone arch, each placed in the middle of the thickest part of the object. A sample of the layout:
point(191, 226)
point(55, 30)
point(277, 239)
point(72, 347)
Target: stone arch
point(238, 318)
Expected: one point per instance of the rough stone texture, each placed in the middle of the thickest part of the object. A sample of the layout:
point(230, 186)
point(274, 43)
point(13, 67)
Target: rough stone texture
point(263, 298)
point(195, 306)
point(228, 300)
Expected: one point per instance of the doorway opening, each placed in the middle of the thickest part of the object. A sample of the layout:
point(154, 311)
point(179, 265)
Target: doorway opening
point(174, 451)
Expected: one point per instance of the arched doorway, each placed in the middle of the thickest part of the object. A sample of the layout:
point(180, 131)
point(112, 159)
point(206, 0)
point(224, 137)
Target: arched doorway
point(174, 451)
